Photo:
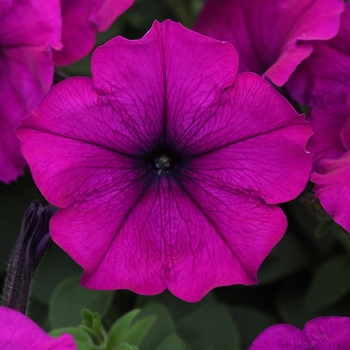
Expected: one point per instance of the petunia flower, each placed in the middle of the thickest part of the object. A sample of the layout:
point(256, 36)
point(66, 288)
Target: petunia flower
point(322, 333)
point(28, 31)
point(323, 82)
point(18, 331)
point(81, 19)
point(272, 36)
point(167, 166)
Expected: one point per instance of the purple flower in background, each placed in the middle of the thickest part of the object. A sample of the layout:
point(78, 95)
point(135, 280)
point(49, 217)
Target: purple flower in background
point(167, 166)
point(81, 19)
point(272, 36)
point(26, 70)
point(322, 333)
point(323, 82)
point(18, 331)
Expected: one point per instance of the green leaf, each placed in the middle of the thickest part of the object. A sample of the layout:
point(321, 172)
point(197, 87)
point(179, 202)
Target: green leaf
point(172, 342)
point(92, 325)
point(80, 337)
point(177, 307)
point(138, 331)
point(250, 322)
point(124, 346)
point(53, 269)
point(285, 258)
point(329, 284)
point(68, 300)
point(163, 325)
point(209, 326)
point(121, 326)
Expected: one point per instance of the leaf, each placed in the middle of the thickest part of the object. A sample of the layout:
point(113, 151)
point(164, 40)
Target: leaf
point(124, 346)
point(329, 284)
point(121, 326)
point(163, 325)
point(177, 307)
point(53, 269)
point(172, 342)
point(250, 323)
point(285, 258)
point(80, 337)
point(209, 326)
point(138, 331)
point(68, 300)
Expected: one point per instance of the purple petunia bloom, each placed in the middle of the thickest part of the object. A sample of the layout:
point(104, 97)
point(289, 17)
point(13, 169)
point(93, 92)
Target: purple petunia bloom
point(322, 333)
point(81, 19)
point(167, 166)
point(18, 331)
point(26, 70)
point(323, 82)
point(272, 36)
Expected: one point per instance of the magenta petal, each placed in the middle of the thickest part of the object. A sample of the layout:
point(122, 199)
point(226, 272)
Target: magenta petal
point(188, 93)
point(325, 333)
point(272, 37)
point(240, 231)
point(323, 82)
point(345, 131)
point(30, 75)
point(19, 29)
point(327, 123)
point(81, 20)
point(94, 137)
point(332, 187)
point(245, 129)
point(26, 70)
point(17, 331)
point(281, 337)
point(316, 82)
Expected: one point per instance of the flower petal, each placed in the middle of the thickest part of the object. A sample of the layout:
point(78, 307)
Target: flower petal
point(81, 20)
point(324, 78)
point(240, 231)
point(327, 123)
point(326, 333)
point(272, 37)
point(17, 331)
point(29, 75)
point(281, 337)
point(74, 117)
point(255, 141)
point(19, 29)
point(332, 187)
point(167, 90)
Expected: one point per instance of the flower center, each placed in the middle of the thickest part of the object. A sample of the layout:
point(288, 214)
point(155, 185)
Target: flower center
point(163, 160)
point(162, 164)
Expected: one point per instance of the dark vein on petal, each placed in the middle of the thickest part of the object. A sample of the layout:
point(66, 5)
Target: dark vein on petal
point(238, 141)
point(85, 142)
point(124, 220)
point(208, 218)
